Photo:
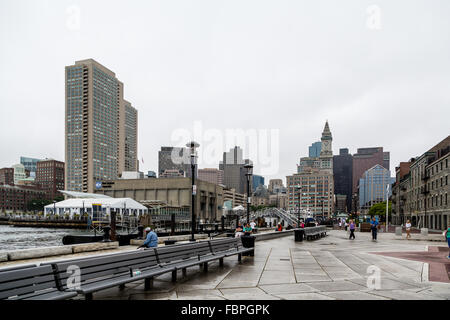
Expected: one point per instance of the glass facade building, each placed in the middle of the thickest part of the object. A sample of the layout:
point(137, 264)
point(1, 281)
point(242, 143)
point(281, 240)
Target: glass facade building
point(372, 186)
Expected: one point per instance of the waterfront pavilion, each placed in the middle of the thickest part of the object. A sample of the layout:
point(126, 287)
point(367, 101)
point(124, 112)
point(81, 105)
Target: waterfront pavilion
point(101, 206)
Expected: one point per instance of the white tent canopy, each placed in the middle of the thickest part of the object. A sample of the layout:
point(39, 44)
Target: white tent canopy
point(239, 207)
point(122, 206)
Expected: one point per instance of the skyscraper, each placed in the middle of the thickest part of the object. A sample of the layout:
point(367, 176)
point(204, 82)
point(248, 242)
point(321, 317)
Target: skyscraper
point(234, 171)
point(366, 158)
point(312, 189)
point(372, 186)
point(101, 127)
point(314, 149)
point(342, 171)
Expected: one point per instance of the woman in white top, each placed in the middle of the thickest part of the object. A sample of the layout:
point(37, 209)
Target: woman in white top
point(408, 229)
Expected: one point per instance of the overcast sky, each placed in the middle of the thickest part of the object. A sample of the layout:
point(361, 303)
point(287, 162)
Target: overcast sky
point(379, 71)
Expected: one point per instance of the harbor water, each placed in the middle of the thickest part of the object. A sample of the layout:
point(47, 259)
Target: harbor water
point(15, 238)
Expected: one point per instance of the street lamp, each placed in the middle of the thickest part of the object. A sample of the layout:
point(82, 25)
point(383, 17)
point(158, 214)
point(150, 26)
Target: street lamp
point(299, 188)
point(249, 173)
point(192, 145)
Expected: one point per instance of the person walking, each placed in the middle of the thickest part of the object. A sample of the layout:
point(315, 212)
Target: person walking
point(447, 233)
point(151, 241)
point(374, 228)
point(408, 229)
point(352, 230)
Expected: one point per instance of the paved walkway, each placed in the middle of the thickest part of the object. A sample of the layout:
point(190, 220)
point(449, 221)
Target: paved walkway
point(330, 268)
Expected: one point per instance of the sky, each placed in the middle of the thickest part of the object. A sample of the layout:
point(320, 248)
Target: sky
point(271, 72)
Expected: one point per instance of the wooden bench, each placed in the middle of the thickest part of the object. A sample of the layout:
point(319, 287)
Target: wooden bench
point(228, 247)
point(183, 256)
point(99, 273)
point(68, 278)
point(31, 283)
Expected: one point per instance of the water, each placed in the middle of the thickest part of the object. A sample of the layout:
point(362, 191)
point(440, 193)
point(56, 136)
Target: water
point(14, 238)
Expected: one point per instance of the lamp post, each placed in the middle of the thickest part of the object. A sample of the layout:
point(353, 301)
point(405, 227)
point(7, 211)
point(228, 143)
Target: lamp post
point(249, 173)
point(387, 206)
point(299, 188)
point(192, 145)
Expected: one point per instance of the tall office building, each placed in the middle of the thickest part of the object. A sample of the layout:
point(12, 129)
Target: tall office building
point(101, 127)
point(211, 175)
point(314, 149)
point(366, 158)
point(342, 171)
point(257, 181)
point(233, 170)
point(372, 186)
point(171, 159)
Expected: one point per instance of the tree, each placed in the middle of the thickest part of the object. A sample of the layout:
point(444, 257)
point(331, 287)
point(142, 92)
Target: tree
point(379, 209)
point(37, 204)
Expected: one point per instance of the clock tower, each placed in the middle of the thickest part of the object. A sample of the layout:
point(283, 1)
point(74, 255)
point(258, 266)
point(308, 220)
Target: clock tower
point(326, 153)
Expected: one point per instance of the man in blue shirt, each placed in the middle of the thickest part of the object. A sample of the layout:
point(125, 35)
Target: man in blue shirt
point(374, 228)
point(152, 239)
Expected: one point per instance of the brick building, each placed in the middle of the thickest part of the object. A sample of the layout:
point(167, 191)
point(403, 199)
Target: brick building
point(50, 177)
point(15, 198)
point(7, 176)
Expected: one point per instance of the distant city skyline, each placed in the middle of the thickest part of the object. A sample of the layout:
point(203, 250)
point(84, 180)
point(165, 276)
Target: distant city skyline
point(294, 66)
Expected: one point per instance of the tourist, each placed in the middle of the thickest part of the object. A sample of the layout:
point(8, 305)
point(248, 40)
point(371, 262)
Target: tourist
point(253, 224)
point(279, 227)
point(352, 229)
point(247, 230)
point(340, 224)
point(345, 225)
point(239, 232)
point(447, 233)
point(151, 241)
point(374, 228)
point(408, 229)
point(302, 224)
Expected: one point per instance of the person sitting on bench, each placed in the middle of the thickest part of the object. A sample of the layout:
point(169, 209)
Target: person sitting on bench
point(152, 239)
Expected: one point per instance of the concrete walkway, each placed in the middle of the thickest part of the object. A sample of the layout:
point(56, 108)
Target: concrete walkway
point(330, 268)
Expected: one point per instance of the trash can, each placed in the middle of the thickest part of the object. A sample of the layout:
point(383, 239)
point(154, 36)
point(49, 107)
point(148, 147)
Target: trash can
point(248, 242)
point(169, 242)
point(299, 234)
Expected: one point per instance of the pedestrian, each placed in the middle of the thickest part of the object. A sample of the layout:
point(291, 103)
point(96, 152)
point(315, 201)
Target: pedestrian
point(352, 229)
point(346, 225)
point(374, 228)
point(151, 241)
point(279, 227)
point(302, 224)
point(340, 224)
point(247, 230)
point(253, 224)
point(239, 232)
point(408, 229)
point(447, 233)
